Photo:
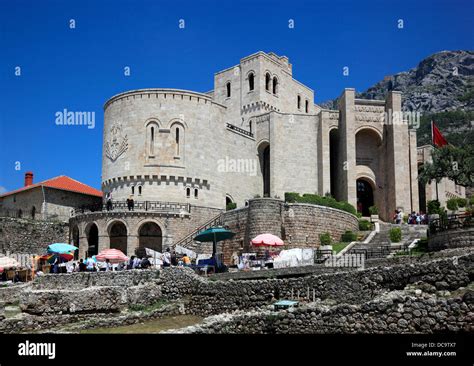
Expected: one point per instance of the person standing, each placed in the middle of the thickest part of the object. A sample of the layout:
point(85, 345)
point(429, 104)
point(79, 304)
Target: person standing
point(109, 201)
point(130, 203)
point(167, 258)
point(108, 265)
point(174, 260)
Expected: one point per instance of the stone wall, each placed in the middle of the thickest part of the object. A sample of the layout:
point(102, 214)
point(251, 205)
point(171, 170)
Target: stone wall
point(396, 312)
point(211, 297)
point(106, 292)
point(451, 239)
point(90, 292)
point(298, 224)
point(24, 236)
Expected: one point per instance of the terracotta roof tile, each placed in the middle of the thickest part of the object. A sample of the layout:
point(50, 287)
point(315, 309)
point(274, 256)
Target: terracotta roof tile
point(62, 182)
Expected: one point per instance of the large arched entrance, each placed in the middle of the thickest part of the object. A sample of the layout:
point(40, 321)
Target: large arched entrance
point(149, 236)
point(92, 233)
point(264, 158)
point(365, 196)
point(118, 236)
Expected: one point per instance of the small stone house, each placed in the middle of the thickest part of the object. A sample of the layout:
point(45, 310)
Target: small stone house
point(52, 199)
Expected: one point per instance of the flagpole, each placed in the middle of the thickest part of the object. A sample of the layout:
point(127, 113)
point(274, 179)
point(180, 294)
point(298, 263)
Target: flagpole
point(433, 144)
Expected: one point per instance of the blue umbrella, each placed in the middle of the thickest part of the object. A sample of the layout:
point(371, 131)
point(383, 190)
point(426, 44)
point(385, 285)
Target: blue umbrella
point(61, 248)
point(214, 234)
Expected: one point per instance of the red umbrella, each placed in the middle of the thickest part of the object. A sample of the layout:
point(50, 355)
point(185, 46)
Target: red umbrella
point(268, 240)
point(113, 255)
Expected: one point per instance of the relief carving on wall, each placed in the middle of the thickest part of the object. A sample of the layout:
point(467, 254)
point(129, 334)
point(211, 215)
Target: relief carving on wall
point(366, 113)
point(117, 144)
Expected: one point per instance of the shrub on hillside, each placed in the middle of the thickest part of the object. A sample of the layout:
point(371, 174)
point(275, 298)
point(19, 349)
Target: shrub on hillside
point(462, 202)
point(327, 201)
point(325, 239)
point(364, 225)
point(348, 236)
point(373, 210)
point(231, 206)
point(395, 234)
point(452, 204)
point(433, 207)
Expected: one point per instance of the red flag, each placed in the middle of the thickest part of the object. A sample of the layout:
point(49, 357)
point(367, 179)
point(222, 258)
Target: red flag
point(436, 136)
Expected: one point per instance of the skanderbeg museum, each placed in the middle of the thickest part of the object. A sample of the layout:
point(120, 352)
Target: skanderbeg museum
point(183, 156)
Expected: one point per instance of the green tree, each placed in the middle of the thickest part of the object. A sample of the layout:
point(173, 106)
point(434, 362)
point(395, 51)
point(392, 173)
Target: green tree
point(450, 162)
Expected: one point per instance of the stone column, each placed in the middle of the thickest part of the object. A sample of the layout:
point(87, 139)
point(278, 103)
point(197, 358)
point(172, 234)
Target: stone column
point(324, 163)
point(397, 155)
point(347, 188)
point(415, 201)
point(132, 244)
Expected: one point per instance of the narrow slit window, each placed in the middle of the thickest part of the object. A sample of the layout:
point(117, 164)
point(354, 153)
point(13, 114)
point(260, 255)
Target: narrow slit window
point(196, 193)
point(228, 89)
point(152, 140)
point(177, 140)
point(251, 81)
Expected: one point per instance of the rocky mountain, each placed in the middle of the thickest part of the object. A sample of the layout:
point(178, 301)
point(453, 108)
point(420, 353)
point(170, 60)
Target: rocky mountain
point(441, 82)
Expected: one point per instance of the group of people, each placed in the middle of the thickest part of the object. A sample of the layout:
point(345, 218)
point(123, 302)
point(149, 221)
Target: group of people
point(170, 259)
point(415, 218)
point(109, 204)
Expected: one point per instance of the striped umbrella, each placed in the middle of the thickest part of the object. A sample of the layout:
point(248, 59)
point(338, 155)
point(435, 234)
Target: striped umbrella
point(51, 257)
point(113, 255)
point(7, 262)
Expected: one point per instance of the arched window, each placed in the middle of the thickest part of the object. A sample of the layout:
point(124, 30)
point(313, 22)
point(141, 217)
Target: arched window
point(268, 80)
point(177, 140)
point(139, 190)
point(133, 189)
point(188, 192)
point(275, 85)
point(251, 81)
point(306, 106)
point(227, 86)
point(299, 102)
point(33, 212)
point(151, 134)
point(196, 193)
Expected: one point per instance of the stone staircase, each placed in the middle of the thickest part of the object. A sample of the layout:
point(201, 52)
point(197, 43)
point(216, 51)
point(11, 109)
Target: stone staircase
point(188, 242)
point(381, 246)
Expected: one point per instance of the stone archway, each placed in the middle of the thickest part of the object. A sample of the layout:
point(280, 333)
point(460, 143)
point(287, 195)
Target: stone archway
point(150, 236)
point(365, 196)
point(92, 234)
point(118, 236)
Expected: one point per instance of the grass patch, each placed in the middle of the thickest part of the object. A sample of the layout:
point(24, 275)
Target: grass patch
point(337, 247)
point(148, 308)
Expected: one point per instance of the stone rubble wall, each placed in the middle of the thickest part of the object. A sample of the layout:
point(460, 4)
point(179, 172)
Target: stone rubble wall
point(79, 321)
point(32, 237)
point(212, 297)
point(457, 238)
point(397, 312)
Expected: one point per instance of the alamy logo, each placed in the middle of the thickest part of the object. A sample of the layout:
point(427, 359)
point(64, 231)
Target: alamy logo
point(69, 118)
point(246, 166)
point(37, 349)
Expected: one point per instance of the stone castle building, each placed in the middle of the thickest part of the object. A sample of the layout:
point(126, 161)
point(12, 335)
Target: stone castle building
point(184, 155)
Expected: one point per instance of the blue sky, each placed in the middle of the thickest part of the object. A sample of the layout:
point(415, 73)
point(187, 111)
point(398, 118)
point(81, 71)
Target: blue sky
point(79, 69)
